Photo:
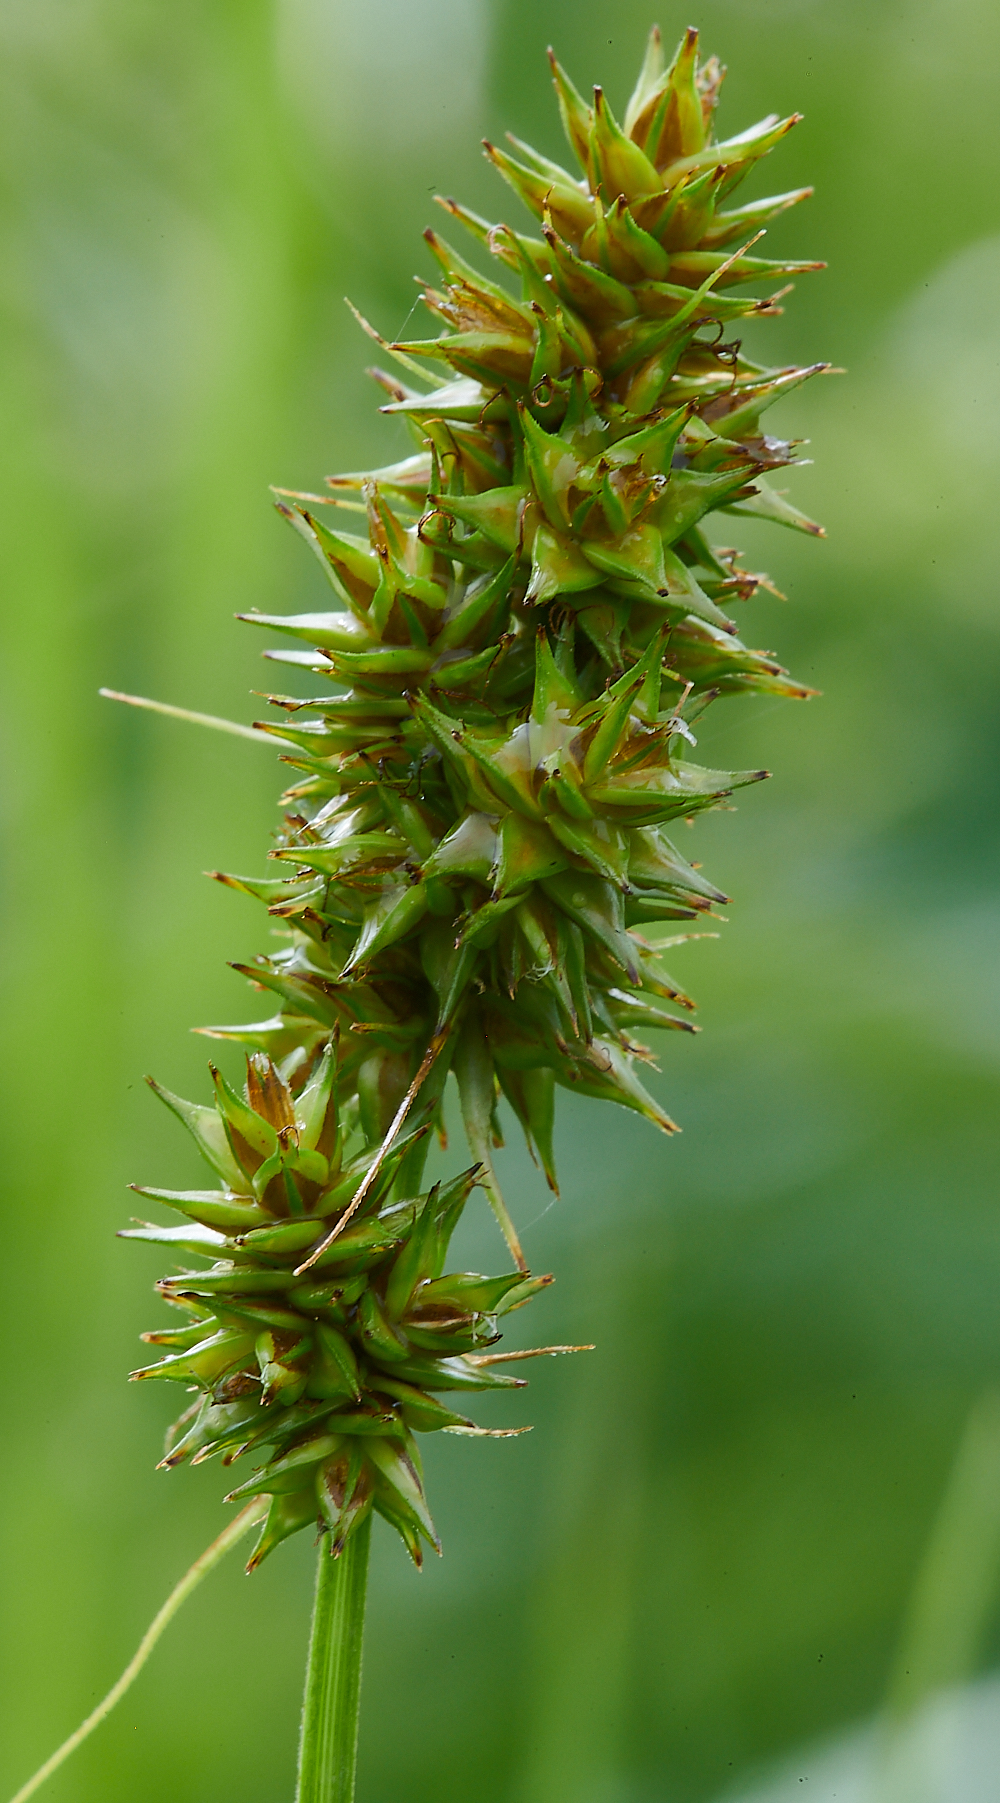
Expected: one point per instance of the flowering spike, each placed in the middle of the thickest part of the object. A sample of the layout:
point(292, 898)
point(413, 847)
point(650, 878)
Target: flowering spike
point(520, 643)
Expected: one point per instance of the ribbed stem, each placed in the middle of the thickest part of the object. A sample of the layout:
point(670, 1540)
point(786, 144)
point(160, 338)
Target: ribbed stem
point(328, 1746)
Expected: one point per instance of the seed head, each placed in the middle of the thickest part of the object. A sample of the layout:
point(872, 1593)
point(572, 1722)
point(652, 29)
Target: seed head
point(524, 634)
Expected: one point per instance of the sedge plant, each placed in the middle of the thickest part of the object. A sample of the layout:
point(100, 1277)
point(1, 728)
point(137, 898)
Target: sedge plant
point(528, 615)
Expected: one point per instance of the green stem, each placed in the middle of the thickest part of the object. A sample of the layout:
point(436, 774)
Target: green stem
point(328, 1745)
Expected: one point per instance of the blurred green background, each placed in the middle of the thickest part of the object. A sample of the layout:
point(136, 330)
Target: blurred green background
point(706, 1558)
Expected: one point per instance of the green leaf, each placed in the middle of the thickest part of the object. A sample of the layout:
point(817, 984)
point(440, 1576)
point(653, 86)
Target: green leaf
point(214, 1208)
point(473, 1069)
point(596, 907)
point(768, 504)
point(206, 1129)
point(334, 632)
point(398, 908)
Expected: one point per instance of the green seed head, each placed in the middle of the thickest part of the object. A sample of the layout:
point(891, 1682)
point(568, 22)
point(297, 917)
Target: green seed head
point(529, 616)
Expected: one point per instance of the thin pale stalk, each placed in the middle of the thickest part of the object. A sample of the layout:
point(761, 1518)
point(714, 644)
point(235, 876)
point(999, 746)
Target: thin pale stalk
point(328, 1746)
point(207, 1562)
point(193, 719)
point(437, 1045)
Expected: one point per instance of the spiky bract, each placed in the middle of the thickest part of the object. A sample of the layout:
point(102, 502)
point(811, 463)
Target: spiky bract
point(524, 636)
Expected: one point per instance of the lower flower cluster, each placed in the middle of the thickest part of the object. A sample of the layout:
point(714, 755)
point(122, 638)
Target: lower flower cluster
point(323, 1323)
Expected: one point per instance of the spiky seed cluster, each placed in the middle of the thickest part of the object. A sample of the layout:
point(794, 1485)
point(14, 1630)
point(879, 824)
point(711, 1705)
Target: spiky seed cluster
point(524, 637)
point(333, 1368)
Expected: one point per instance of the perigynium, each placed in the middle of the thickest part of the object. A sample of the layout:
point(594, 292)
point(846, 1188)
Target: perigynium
point(475, 860)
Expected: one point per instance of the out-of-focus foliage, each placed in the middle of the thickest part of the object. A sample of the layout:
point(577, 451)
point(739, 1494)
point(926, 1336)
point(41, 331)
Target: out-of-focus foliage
point(705, 1554)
